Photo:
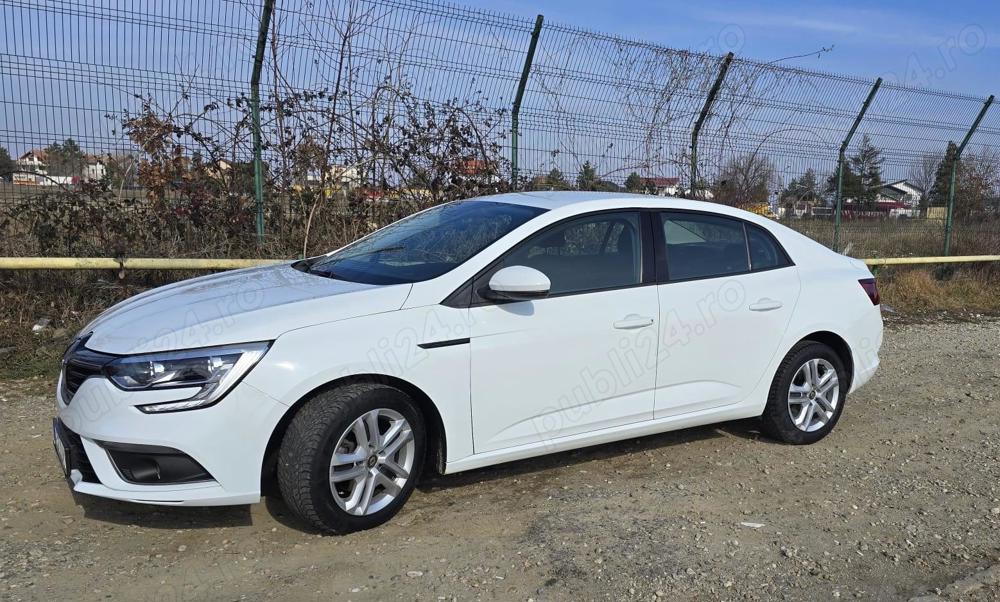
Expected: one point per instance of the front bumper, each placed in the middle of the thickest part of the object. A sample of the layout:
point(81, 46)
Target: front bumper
point(228, 439)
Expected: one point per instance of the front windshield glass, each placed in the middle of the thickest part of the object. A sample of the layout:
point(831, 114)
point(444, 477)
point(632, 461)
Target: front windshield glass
point(424, 245)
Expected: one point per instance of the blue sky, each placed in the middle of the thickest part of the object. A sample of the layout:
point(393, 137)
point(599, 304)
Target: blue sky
point(952, 45)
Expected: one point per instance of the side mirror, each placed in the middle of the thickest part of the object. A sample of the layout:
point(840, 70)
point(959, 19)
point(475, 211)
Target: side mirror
point(518, 283)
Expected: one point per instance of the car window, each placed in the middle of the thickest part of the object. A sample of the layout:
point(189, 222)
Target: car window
point(424, 245)
point(703, 246)
point(764, 252)
point(594, 252)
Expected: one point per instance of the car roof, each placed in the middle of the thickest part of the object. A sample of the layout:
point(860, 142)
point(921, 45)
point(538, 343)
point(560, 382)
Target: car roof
point(568, 203)
point(552, 199)
point(555, 199)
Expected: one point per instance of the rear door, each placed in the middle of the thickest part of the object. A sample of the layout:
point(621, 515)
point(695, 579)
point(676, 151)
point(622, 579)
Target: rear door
point(726, 295)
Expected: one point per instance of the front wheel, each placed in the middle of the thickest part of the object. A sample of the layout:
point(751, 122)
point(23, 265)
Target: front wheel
point(351, 457)
point(807, 395)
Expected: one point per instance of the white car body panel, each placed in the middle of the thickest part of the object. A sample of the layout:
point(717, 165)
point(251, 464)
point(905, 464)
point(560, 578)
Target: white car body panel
point(304, 360)
point(228, 440)
point(241, 306)
point(708, 323)
point(533, 380)
point(525, 384)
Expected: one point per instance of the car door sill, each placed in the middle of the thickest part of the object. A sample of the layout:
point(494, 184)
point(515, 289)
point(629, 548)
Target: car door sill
point(616, 433)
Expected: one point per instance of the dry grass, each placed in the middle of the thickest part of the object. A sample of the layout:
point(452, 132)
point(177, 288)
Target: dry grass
point(68, 300)
point(921, 290)
point(904, 237)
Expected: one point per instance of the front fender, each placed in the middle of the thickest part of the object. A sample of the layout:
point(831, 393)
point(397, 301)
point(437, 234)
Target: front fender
point(303, 360)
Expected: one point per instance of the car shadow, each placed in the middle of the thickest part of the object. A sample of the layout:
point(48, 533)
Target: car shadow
point(162, 517)
point(283, 515)
point(744, 429)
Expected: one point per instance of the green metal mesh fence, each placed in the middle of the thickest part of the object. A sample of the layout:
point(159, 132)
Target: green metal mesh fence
point(129, 128)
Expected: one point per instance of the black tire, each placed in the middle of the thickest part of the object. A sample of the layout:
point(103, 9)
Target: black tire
point(777, 420)
point(308, 446)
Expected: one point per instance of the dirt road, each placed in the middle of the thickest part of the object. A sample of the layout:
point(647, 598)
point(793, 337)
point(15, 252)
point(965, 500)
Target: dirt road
point(902, 499)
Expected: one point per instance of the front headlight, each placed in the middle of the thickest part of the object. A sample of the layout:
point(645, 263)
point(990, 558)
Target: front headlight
point(213, 370)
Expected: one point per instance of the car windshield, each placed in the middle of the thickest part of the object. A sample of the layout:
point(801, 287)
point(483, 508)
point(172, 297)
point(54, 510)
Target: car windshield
point(424, 245)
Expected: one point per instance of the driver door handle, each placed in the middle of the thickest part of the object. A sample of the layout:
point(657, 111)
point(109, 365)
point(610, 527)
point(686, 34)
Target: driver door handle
point(765, 304)
point(633, 321)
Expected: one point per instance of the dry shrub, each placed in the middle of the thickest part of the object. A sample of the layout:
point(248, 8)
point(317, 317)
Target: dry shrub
point(67, 300)
point(923, 289)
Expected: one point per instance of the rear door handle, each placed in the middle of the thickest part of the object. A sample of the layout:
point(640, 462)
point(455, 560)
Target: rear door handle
point(765, 305)
point(633, 321)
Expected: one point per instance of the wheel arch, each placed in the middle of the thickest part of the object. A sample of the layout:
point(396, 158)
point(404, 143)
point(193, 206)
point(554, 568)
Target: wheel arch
point(435, 454)
point(838, 344)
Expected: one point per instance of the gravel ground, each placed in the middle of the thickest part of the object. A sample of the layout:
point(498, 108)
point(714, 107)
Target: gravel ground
point(901, 502)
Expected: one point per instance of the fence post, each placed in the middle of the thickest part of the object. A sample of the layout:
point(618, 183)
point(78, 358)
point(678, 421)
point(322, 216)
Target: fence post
point(839, 198)
point(948, 223)
point(516, 111)
point(712, 93)
point(258, 164)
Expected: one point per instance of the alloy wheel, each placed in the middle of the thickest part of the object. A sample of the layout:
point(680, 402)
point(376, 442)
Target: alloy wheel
point(813, 395)
point(372, 461)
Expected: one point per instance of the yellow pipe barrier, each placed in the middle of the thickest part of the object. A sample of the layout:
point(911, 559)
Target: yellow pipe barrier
point(132, 263)
point(920, 260)
point(161, 263)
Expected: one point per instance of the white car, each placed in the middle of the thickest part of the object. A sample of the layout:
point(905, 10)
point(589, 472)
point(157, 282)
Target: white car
point(472, 333)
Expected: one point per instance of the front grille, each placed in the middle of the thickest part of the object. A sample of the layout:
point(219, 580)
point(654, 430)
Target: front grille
point(79, 364)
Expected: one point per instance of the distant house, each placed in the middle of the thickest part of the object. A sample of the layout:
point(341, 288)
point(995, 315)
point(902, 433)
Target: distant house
point(343, 176)
point(901, 191)
point(346, 176)
point(33, 160)
point(36, 162)
point(94, 168)
point(899, 199)
point(895, 199)
point(662, 186)
point(481, 170)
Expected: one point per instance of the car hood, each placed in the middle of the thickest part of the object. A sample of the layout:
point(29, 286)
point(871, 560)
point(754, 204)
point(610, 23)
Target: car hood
point(255, 304)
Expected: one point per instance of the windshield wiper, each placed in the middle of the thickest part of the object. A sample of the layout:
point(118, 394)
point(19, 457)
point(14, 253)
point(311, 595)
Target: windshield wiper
point(303, 265)
point(306, 265)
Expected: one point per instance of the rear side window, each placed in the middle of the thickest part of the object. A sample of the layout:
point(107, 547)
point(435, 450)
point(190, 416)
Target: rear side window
point(703, 246)
point(764, 252)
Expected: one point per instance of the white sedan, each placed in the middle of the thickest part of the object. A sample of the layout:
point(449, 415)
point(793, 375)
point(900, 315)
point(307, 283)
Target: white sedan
point(469, 334)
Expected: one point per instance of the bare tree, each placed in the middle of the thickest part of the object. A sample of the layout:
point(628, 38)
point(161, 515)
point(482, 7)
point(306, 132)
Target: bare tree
point(922, 174)
point(978, 183)
point(745, 181)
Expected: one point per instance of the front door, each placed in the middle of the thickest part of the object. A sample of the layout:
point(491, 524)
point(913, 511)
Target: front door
point(579, 360)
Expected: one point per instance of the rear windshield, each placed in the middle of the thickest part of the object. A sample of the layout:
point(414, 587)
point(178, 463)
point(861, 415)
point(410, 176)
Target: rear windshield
point(424, 245)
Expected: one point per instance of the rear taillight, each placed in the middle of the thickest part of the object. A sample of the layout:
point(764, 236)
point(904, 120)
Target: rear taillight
point(871, 289)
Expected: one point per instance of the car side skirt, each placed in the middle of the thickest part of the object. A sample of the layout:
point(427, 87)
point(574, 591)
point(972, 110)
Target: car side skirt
point(608, 435)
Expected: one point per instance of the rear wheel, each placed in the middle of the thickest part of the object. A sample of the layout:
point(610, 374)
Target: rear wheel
point(807, 395)
point(351, 457)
